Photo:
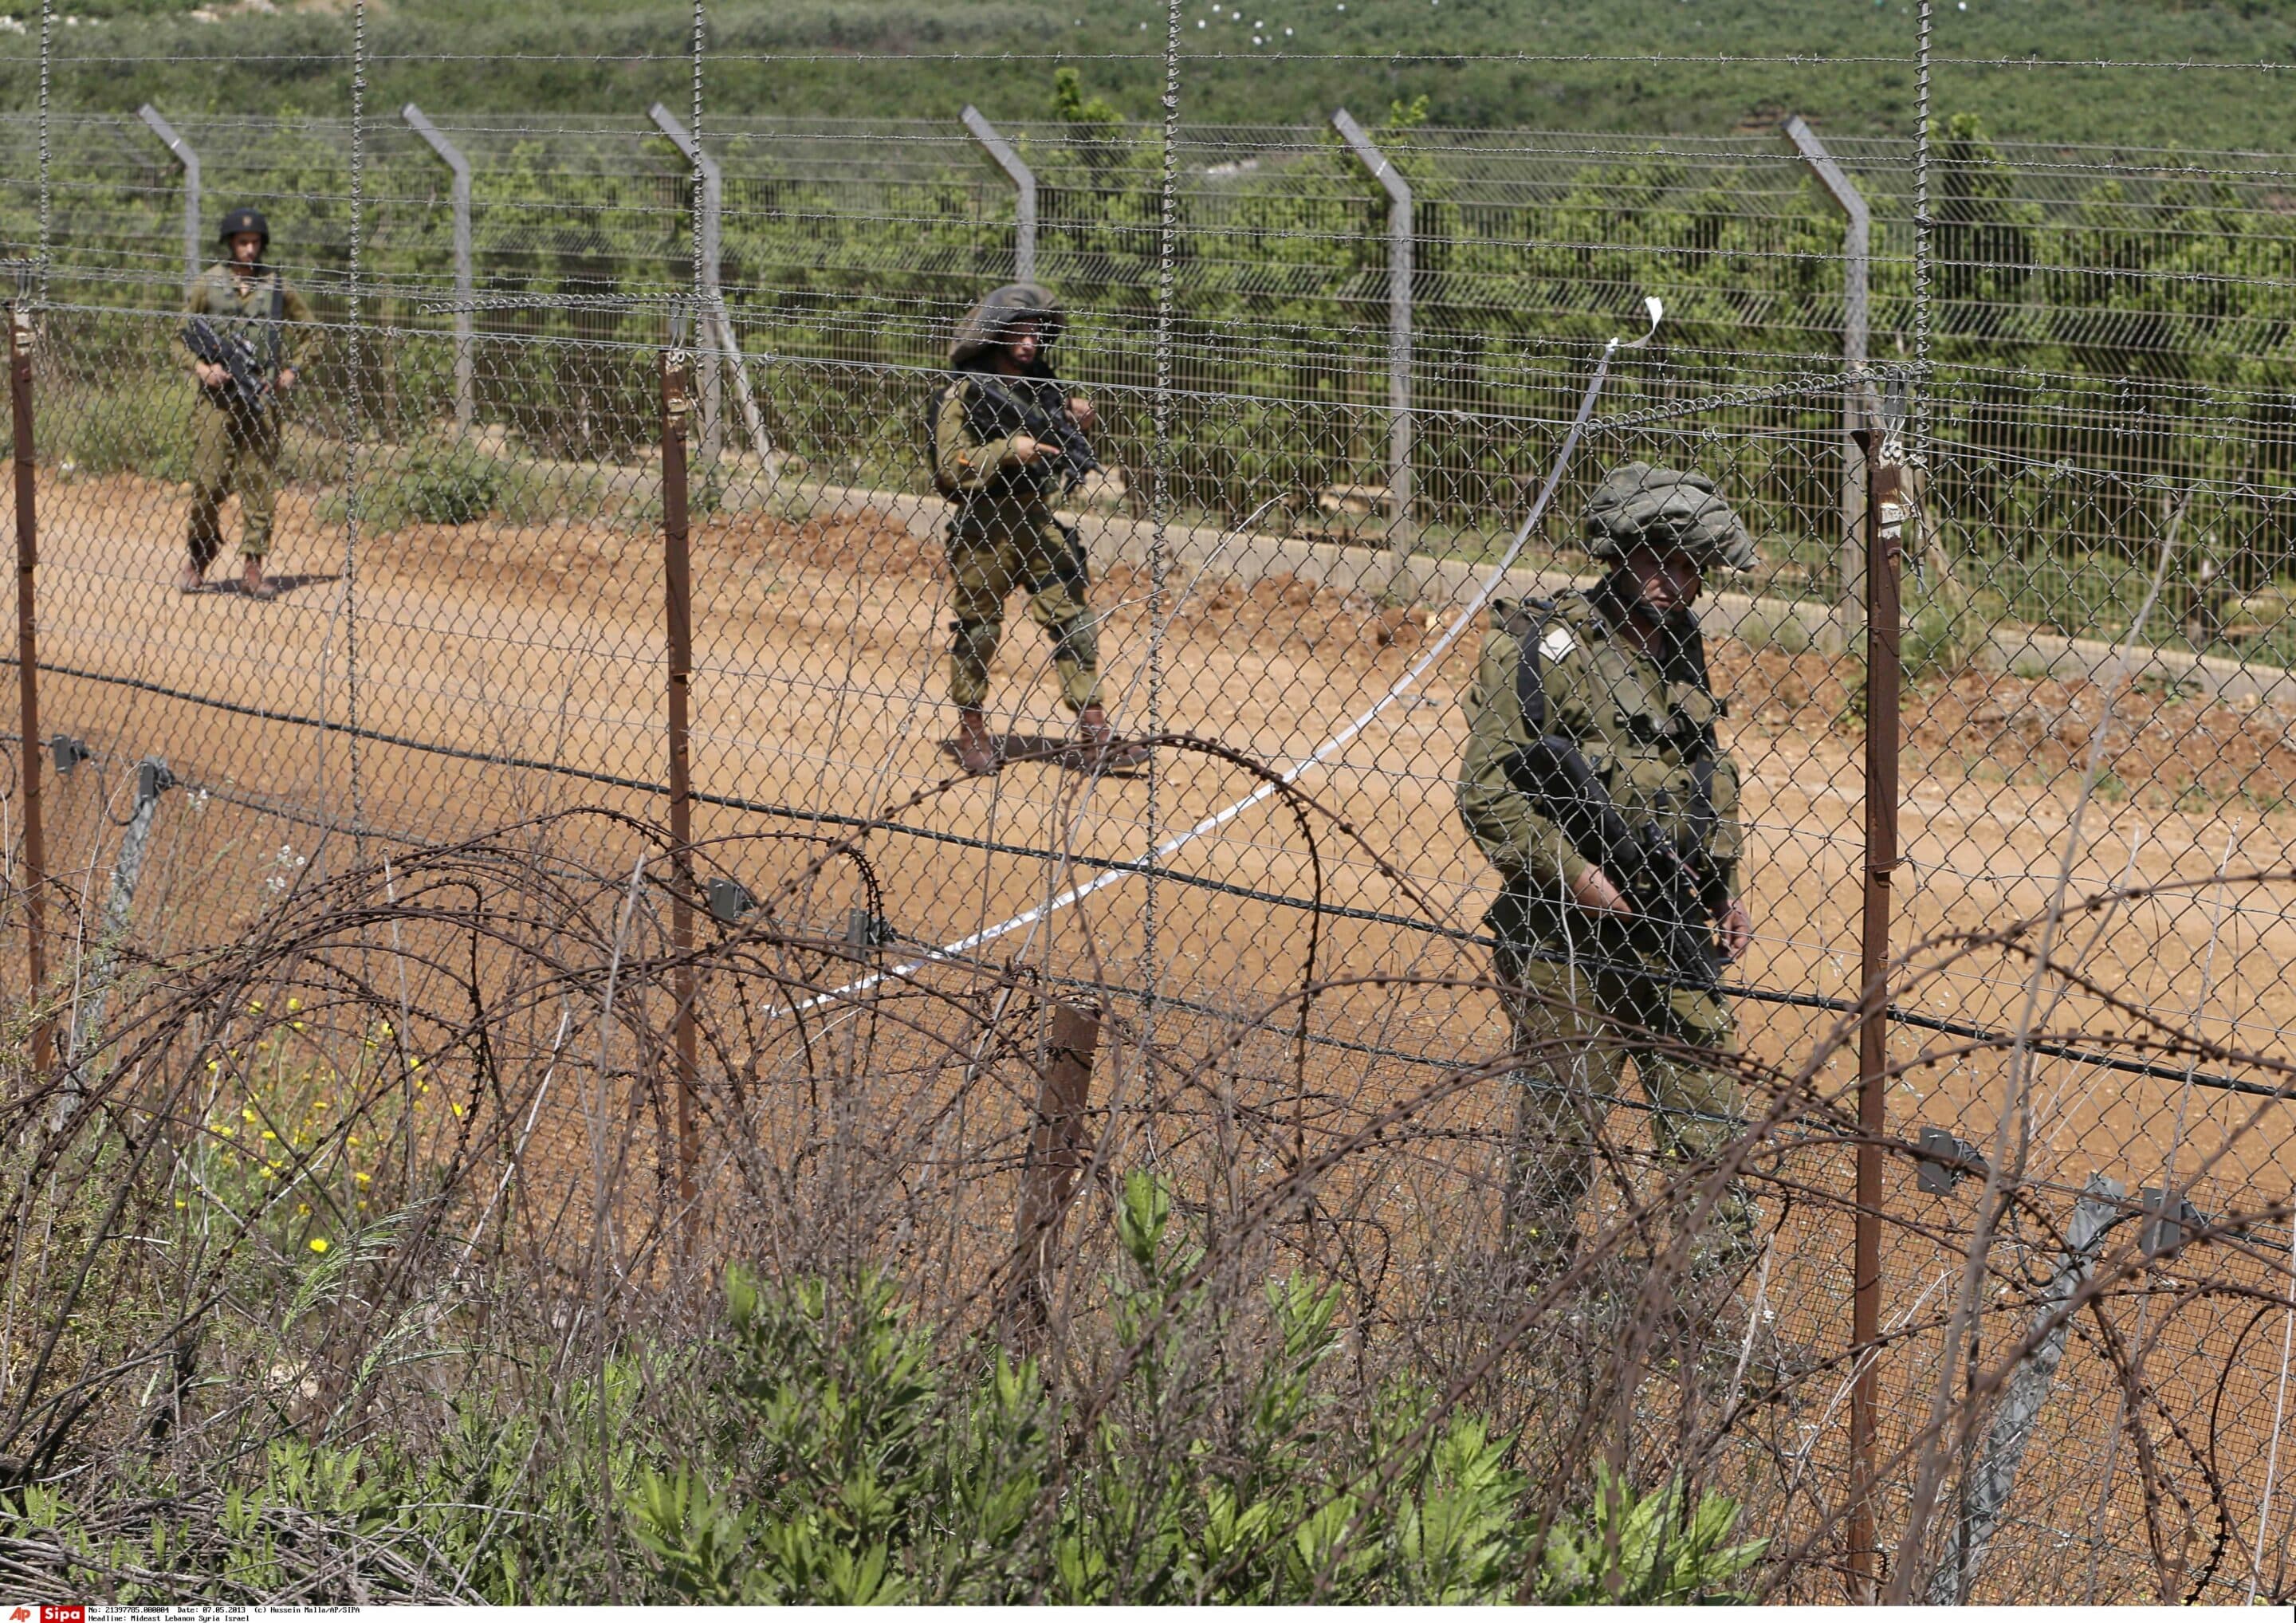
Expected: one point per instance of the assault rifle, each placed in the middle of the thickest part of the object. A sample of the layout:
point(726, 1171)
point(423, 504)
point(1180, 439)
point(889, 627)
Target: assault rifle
point(1673, 890)
point(998, 413)
point(250, 383)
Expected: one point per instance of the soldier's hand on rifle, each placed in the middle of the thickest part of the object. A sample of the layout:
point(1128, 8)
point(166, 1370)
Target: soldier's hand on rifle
point(1737, 926)
point(286, 379)
point(1593, 889)
point(213, 374)
point(1080, 410)
point(1026, 448)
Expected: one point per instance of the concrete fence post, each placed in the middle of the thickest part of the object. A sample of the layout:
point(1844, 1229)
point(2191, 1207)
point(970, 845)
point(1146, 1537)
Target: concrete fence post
point(1401, 227)
point(1857, 258)
point(1060, 1143)
point(193, 246)
point(466, 290)
point(1985, 1499)
point(152, 779)
point(1024, 191)
point(712, 331)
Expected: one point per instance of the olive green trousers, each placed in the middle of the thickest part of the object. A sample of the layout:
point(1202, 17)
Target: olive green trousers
point(233, 450)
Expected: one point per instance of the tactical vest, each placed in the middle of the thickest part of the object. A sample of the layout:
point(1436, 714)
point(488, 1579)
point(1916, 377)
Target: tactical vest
point(1658, 758)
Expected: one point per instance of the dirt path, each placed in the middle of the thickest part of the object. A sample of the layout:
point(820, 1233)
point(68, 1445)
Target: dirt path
point(819, 653)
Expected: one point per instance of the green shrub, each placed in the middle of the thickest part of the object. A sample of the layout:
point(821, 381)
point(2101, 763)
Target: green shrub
point(835, 1447)
point(864, 1462)
point(448, 482)
point(1655, 1549)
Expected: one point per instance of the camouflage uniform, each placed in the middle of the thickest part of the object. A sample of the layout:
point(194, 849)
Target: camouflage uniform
point(232, 447)
point(1002, 534)
point(1585, 988)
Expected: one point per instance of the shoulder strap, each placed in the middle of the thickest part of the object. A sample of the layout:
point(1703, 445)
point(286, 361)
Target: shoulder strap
point(1684, 660)
point(932, 436)
point(1526, 622)
point(278, 314)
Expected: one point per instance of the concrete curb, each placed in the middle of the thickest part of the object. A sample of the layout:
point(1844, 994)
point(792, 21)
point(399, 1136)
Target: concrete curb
point(1248, 557)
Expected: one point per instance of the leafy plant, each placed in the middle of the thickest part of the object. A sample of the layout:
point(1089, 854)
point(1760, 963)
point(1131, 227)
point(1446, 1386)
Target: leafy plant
point(448, 482)
point(859, 1460)
point(1652, 1549)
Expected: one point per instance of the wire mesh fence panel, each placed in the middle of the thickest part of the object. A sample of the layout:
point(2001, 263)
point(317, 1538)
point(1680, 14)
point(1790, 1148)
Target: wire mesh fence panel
point(637, 794)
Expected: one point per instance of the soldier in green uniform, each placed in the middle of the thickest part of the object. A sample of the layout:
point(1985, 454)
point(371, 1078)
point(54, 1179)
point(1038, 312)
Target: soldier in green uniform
point(241, 317)
point(1006, 440)
point(1593, 781)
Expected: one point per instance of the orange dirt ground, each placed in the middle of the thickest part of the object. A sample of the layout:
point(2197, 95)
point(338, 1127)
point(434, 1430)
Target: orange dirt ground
point(819, 654)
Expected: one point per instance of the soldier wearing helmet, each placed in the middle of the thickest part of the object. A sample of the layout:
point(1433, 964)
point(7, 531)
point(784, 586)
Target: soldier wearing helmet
point(1005, 442)
point(1612, 928)
point(241, 318)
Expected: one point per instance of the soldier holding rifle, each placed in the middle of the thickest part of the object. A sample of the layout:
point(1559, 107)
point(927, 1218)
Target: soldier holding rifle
point(239, 315)
point(1005, 440)
point(1594, 782)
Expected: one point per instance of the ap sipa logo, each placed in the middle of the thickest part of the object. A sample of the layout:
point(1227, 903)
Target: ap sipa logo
point(61, 1614)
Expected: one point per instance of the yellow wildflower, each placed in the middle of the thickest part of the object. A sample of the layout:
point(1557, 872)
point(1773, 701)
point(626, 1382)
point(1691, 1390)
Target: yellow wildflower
point(320, 1246)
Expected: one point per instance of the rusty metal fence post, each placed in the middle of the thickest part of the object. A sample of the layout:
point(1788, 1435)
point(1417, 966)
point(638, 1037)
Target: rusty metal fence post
point(1057, 1144)
point(28, 676)
point(678, 618)
point(1882, 683)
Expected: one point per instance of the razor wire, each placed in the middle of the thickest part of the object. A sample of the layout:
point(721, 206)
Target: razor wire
point(2091, 334)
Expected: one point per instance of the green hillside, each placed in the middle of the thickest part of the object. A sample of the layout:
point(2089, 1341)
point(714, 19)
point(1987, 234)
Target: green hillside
point(871, 57)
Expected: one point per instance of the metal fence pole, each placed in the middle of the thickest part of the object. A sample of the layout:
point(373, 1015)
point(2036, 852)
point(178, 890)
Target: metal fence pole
point(712, 228)
point(194, 245)
point(1883, 686)
point(1024, 191)
point(1857, 258)
point(28, 677)
point(678, 625)
point(466, 283)
point(1400, 227)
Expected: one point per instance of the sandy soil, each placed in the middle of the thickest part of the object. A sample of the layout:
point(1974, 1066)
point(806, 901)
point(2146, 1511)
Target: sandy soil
point(819, 656)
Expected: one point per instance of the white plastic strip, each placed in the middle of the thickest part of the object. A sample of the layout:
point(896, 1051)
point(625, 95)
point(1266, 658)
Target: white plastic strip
point(1323, 752)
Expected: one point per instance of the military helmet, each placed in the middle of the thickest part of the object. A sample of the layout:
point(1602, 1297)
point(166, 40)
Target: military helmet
point(1667, 509)
point(244, 220)
point(987, 323)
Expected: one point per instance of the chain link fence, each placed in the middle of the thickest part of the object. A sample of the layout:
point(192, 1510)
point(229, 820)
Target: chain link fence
point(495, 568)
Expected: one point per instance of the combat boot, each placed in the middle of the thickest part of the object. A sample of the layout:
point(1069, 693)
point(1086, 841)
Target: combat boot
point(1102, 750)
point(975, 746)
